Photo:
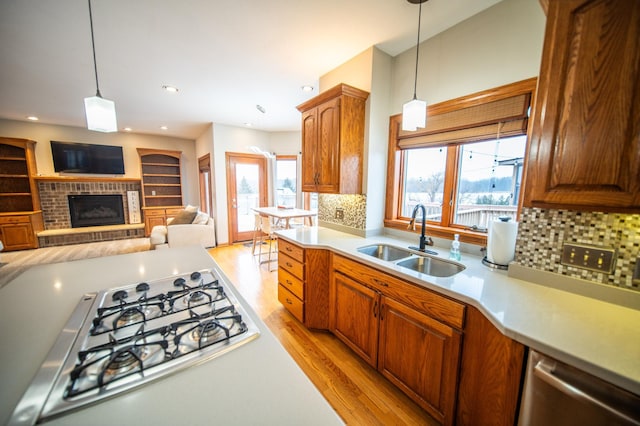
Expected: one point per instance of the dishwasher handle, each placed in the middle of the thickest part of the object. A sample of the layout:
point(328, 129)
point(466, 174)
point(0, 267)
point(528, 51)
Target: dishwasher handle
point(544, 371)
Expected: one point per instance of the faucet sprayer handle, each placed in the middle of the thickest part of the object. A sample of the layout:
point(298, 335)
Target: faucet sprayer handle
point(412, 224)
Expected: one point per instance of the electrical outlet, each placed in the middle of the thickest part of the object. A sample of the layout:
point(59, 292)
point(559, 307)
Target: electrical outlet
point(339, 213)
point(593, 258)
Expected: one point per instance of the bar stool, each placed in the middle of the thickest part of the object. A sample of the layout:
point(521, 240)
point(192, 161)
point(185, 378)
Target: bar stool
point(267, 230)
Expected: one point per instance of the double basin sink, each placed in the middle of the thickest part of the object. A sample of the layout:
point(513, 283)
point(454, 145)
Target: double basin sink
point(413, 260)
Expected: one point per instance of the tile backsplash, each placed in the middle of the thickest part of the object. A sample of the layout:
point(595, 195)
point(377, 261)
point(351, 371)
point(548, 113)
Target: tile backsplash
point(354, 208)
point(542, 232)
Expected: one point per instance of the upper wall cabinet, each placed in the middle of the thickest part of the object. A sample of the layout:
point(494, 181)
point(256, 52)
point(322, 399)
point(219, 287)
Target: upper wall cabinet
point(333, 141)
point(585, 139)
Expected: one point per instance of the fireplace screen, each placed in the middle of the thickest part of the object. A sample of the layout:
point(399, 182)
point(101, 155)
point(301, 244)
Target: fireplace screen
point(96, 210)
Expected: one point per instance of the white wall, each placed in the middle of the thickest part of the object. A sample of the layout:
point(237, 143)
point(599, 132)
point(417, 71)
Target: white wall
point(239, 139)
point(43, 133)
point(500, 45)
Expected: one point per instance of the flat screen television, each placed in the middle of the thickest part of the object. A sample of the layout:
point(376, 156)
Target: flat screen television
point(69, 157)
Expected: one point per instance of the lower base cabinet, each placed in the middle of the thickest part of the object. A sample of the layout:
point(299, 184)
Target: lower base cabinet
point(303, 281)
point(446, 356)
point(416, 352)
point(420, 356)
point(18, 232)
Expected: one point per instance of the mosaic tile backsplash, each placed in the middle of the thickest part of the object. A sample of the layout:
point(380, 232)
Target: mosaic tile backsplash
point(354, 208)
point(542, 232)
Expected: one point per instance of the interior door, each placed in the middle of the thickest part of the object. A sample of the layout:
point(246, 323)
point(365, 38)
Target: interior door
point(205, 178)
point(246, 188)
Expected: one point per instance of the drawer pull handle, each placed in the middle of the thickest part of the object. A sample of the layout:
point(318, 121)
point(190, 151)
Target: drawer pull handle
point(382, 283)
point(289, 301)
point(289, 282)
point(289, 265)
point(288, 249)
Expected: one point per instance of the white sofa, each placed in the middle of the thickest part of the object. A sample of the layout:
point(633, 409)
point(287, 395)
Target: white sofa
point(181, 235)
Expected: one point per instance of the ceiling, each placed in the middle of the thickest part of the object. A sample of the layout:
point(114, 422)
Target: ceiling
point(224, 56)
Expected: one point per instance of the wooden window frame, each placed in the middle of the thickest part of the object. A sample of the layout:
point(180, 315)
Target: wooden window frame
point(445, 228)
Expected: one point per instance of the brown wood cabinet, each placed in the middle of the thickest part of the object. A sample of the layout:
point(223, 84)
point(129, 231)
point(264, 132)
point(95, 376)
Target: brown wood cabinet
point(18, 231)
point(20, 214)
point(333, 141)
point(584, 151)
point(420, 356)
point(396, 327)
point(160, 172)
point(154, 216)
point(303, 283)
point(490, 374)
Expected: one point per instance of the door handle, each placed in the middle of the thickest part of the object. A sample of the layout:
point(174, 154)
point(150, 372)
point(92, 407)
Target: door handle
point(544, 370)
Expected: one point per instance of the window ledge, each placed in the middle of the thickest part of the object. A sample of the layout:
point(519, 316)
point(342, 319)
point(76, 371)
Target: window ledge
point(466, 235)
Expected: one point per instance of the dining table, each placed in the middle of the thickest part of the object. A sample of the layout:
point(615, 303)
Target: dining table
point(285, 214)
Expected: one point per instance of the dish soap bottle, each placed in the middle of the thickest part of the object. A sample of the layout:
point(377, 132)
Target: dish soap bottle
point(454, 253)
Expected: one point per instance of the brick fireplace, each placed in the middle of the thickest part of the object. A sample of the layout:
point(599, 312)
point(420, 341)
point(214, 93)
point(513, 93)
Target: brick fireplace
point(54, 200)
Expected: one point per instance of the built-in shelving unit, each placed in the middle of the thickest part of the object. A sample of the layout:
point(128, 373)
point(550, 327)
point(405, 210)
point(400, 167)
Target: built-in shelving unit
point(161, 182)
point(160, 172)
point(20, 214)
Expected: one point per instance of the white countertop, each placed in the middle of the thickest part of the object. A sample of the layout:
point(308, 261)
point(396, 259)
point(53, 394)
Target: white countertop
point(598, 337)
point(256, 383)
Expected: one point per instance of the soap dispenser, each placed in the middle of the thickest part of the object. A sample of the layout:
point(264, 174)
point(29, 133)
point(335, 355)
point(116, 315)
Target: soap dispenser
point(454, 253)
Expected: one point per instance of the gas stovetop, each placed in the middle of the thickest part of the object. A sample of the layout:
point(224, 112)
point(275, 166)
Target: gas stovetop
point(121, 338)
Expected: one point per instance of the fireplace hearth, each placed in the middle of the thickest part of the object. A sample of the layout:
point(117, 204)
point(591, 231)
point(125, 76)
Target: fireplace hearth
point(96, 210)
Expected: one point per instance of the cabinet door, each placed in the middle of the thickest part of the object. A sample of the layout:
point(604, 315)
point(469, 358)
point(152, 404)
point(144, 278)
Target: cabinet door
point(151, 221)
point(328, 147)
point(309, 138)
point(585, 137)
point(17, 236)
point(420, 356)
point(355, 316)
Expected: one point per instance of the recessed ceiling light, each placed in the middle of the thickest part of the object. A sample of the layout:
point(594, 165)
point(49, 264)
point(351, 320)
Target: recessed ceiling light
point(33, 118)
point(171, 89)
point(128, 129)
point(261, 109)
point(164, 128)
point(248, 124)
point(307, 88)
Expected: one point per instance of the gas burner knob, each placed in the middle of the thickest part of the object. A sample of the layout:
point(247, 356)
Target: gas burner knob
point(179, 282)
point(195, 276)
point(142, 287)
point(119, 296)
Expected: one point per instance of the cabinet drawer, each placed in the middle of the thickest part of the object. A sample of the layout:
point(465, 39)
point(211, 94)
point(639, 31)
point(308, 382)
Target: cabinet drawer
point(172, 212)
point(430, 303)
point(291, 250)
point(293, 266)
point(14, 219)
point(291, 303)
point(154, 212)
point(291, 282)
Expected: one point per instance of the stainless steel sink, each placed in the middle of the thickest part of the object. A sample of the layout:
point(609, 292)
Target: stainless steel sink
point(432, 266)
point(385, 252)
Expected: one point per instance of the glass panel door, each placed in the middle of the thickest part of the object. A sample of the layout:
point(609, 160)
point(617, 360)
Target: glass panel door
point(247, 184)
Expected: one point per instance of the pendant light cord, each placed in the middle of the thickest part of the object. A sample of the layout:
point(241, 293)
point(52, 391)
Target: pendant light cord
point(415, 80)
point(93, 47)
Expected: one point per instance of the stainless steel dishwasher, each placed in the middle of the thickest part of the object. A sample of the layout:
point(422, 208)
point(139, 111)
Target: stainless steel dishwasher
point(559, 394)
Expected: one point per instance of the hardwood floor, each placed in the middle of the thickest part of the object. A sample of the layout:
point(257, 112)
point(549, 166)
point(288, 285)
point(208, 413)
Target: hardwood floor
point(358, 393)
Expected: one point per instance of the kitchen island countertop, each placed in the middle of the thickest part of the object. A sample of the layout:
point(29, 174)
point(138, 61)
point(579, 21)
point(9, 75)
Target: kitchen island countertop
point(599, 337)
point(256, 383)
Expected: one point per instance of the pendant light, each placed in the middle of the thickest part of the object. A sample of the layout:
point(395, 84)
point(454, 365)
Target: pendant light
point(414, 112)
point(100, 112)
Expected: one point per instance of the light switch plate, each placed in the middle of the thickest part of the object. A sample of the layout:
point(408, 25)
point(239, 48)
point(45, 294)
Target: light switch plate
point(593, 258)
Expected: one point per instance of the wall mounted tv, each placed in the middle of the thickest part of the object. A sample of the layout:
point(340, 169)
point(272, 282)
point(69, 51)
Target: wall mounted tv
point(71, 157)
